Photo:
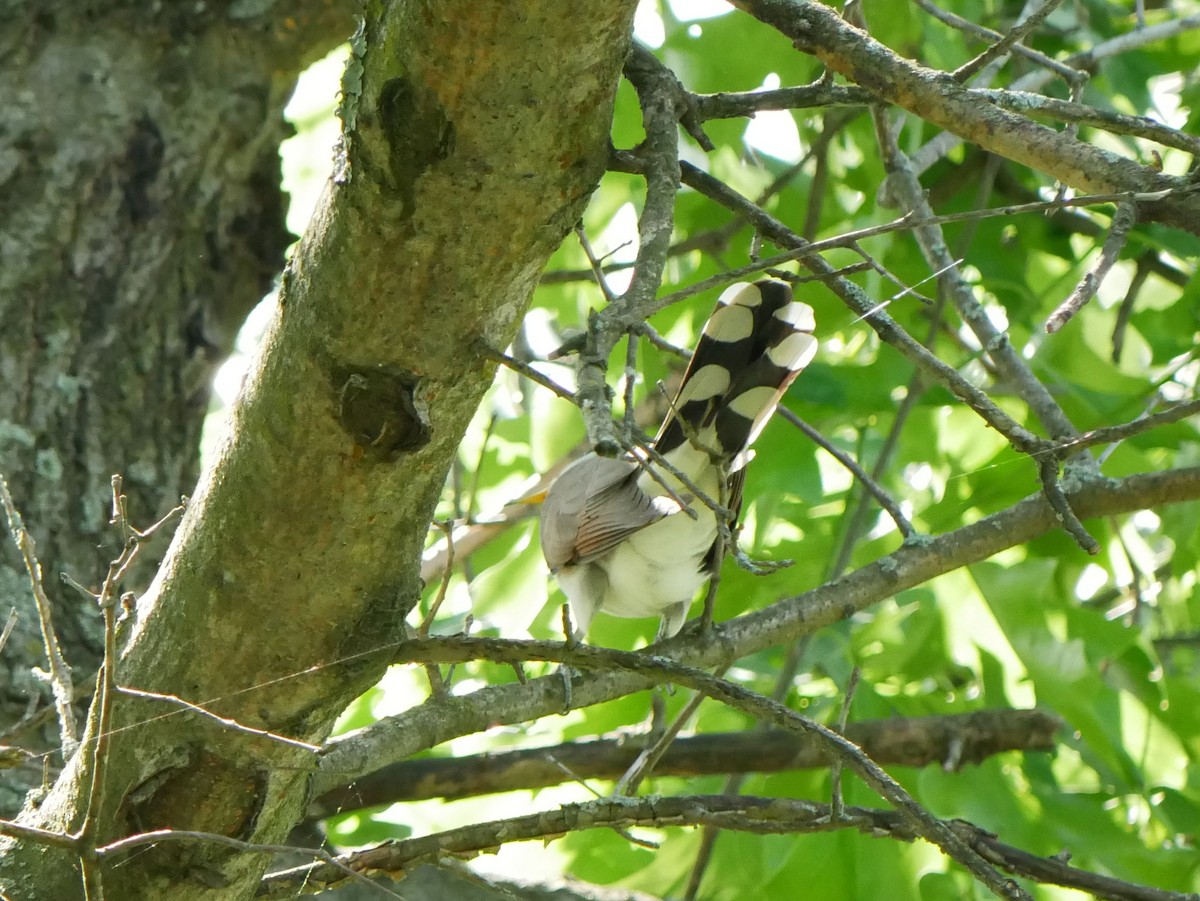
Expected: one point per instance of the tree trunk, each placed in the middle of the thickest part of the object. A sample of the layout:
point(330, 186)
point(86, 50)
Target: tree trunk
point(473, 139)
point(139, 179)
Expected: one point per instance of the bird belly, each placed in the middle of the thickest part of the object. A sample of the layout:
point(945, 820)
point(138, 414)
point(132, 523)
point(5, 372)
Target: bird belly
point(659, 566)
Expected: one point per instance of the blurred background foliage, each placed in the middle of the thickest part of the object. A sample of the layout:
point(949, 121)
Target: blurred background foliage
point(1108, 643)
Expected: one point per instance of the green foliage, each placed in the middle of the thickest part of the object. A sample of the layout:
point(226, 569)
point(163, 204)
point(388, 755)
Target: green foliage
point(1044, 624)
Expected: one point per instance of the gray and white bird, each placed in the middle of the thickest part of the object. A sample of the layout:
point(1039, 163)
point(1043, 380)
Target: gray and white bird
point(611, 533)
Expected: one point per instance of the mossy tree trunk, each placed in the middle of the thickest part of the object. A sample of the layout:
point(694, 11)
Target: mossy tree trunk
point(143, 192)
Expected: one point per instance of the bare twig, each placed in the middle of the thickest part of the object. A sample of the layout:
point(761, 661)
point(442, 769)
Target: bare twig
point(912, 742)
point(596, 264)
point(943, 143)
point(649, 757)
point(965, 25)
point(231, 724)
point(437, 682)
point(106, 685)
point(663, 103)
point(1142, 424)
point(858, 301)
point(837, 805)
point(1008, 41)
point(904, 183)
point(1122, 222)
point(9, 623)
point(524, 369)
point(876, 490)
point(1052, 488)
point(783, 622)
point(630, 378)
point(447, 529)
point(1117, 123)
point(912, 392)
point(178, 835)
point(1125, 311)
point(37, 836)
point(469, 537)
point(59, 672)
point(728, 105)
point(747, 814)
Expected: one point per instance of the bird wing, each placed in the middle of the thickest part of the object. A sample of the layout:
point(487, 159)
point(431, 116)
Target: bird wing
point(592, 507)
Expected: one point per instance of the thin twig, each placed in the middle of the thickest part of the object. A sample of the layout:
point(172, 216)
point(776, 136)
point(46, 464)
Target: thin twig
point(1052, 488)
point(858, 301)
point(1108, 434)
point(910, 220)
point(930, 238)
point(1008, 41)
point(649, 757)
point(1116, 123)
point(106, 687)
point(524, 369)
point(1070, 74)
point(753, 815)
point(630, 377)
point(447, 529)
point(729, 105)
point(876, 490)
point(837, 804)
point(596, 265)
point(1125, 311)
point(477, 474)
point(1122, 222)
point(437, 682)
point(228, 723)
point(663, 103)
point(9, 623)
point(938, 147)
point(38, 836)
point(733, 785)
point(995, 342)
point(60, 673)
point(158, 836)
point(912, 392)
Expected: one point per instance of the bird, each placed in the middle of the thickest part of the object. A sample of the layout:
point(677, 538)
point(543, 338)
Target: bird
point(616, 538)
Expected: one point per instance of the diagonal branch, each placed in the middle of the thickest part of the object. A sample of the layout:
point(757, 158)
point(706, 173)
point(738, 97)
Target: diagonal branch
point(1071, 75)
point(661, 100)
point(1008, 41)
point(1123, 221)
point(940, 100)
point(434, 722)
point(857, 300)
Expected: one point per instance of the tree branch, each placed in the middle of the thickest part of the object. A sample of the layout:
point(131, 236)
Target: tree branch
point(436, 721)
point(939, 99)
point(947, 741)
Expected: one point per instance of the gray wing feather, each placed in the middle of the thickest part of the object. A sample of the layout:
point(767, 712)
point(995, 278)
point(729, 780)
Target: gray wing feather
point(593, 506)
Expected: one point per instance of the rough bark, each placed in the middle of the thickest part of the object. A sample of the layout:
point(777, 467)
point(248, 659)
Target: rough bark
point(139, 179)
point(475, 136)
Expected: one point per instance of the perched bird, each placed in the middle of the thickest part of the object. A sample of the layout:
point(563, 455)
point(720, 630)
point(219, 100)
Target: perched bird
point(612, 534)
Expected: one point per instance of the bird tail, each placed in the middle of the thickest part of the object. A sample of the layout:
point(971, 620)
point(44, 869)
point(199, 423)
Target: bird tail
point(752, 348)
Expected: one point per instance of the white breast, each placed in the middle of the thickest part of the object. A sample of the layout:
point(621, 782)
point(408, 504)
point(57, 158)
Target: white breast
point(656, 568)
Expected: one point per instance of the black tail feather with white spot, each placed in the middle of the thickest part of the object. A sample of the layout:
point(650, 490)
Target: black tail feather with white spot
point(752, 348)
